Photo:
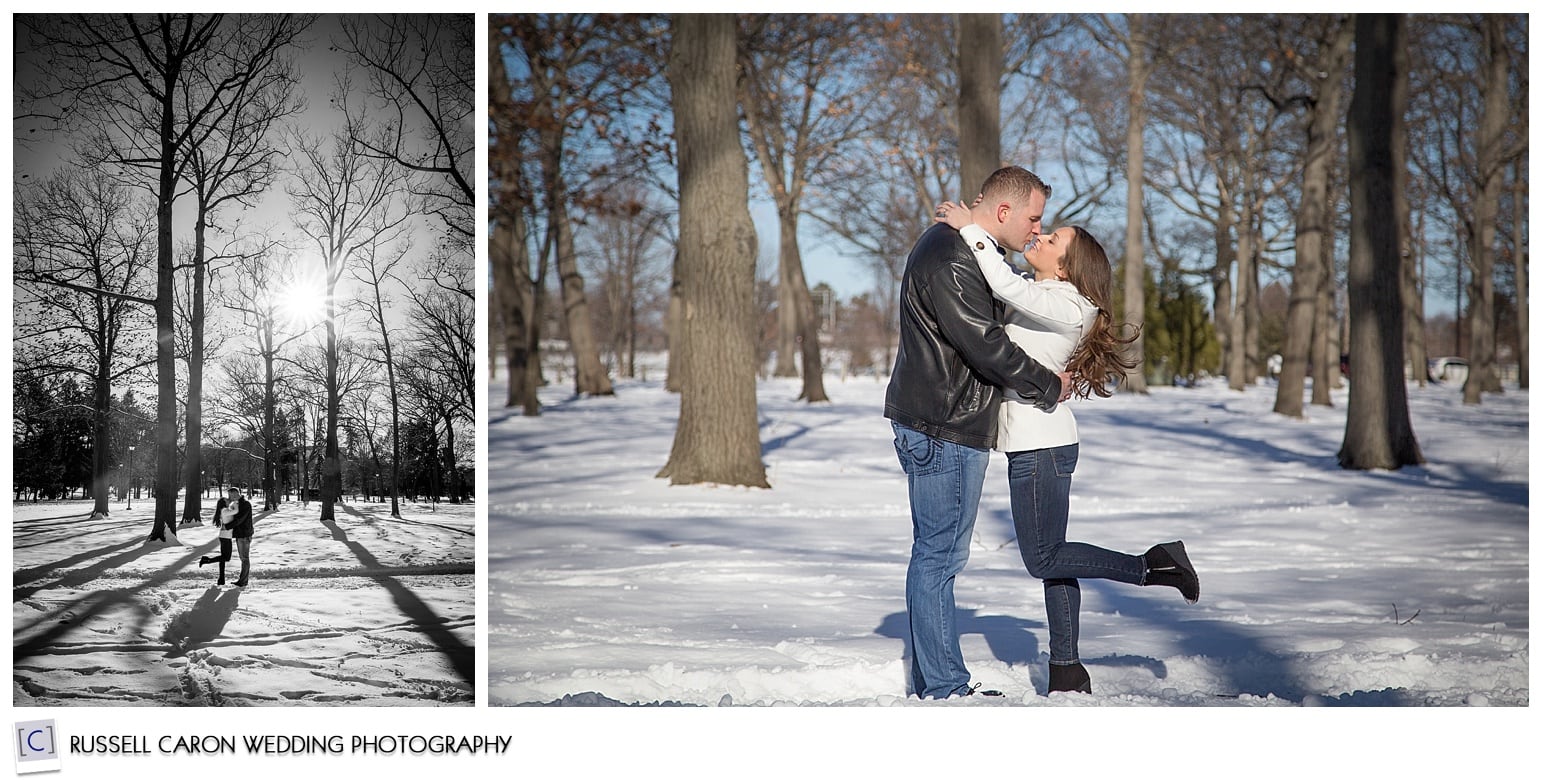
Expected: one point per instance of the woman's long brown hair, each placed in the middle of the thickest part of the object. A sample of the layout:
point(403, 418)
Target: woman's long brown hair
point(1101, 359)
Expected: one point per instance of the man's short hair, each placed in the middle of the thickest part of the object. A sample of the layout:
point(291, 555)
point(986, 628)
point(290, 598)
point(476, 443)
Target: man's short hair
point(1013, 183)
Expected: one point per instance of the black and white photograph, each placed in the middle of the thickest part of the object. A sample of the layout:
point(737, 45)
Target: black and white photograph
point(244, 360)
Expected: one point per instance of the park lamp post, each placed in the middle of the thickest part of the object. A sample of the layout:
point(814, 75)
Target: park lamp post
point(131, 478)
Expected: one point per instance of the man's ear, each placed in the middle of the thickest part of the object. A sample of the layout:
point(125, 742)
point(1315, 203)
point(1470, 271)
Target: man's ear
point(1003, 212)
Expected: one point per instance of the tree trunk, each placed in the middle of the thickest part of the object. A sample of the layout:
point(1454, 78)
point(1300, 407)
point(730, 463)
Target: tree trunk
point(396, 438)
point(631, 314)
point(1325, 338)
point(165, 325)
point(509, 252)
point(1237, 360)
point(1253, 322)
point(332, 460)
point(1378, 433)
point(1457, 320)
point(192, 482)
point(1413, 283)
point(589, 377)
point(787, 318)
point(980, 65)
point(674, 328)
point(1481, 375)
point(269, 422)
point(1220, 279)
point(1522, 298)
point(101, 430)
point(1314, 224)
point(449, 458)
point(807, 320)
point(717, 439)
point(304, 457)
point(390, 366)
point(1135, 213)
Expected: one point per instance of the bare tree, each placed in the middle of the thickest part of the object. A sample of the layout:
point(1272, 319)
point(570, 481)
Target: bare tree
point(1378, 433)
point(313, 370)
point(1522, 258)
point(261, 287)
point(894, 174)
point(232, 165)
point(376, 270)
point(444, 322)
point(508, 248)
point(1134, 48)
point(1492, 158)
point(123, 77)
point(1135, 211)
point(436, 403)
point(1315, 215)
point(801, 109)
point(419, 74)
point(345, 201)
point(1408, 248)
point(626, 235)
point(578, 70)
point(83, 250)
point(1469, 127)
point(1217, 108)
point(717, 439)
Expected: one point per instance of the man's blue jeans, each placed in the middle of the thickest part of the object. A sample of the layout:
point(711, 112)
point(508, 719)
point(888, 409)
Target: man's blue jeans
point(1041, 503)
point(945, 483)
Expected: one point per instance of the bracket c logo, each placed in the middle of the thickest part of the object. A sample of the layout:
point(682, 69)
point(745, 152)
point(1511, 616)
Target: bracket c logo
point(37, 746)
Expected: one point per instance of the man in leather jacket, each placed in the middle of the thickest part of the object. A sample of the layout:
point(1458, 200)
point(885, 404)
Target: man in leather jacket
point(954, 358)
point(241, 528)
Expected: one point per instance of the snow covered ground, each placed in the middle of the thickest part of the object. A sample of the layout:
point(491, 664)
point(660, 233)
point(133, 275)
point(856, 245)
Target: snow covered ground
point(366, 610)
point(1321, 587)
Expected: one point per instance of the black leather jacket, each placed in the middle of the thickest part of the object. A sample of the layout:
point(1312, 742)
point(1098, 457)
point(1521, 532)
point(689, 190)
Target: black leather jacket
point(954, 356)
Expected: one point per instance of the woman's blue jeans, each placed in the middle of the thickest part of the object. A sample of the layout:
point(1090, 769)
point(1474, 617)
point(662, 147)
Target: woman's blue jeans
point(1041, 503)
point(945, 483)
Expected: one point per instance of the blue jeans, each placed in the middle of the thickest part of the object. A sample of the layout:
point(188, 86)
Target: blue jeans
point(945, 483)
point(1041, 503)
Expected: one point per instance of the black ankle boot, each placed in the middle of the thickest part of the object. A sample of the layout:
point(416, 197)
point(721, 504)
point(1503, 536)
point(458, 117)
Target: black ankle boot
point(1069, 678)
point(1168, 565)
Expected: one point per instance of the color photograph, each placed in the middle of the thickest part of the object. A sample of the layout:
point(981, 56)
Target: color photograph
point(1008, 360)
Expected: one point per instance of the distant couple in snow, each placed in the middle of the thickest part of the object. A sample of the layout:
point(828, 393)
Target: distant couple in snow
point(972, 374)
point(233, 518)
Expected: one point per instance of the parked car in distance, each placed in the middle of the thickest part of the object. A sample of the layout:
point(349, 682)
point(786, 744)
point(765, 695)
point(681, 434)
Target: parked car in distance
point(1449, 369)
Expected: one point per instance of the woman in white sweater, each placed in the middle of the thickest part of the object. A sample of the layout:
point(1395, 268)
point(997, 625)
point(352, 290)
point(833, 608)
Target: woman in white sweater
point(1062, 320)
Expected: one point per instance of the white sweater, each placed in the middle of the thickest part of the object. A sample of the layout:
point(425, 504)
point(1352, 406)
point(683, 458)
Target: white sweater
point(1046, 320)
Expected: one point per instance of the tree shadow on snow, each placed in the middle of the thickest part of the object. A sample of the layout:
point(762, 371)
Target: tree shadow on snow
point(1477, 479)
point(203, 622)
point(461, 656)
point(799, 431)
point(76, 613)
point(1010, 639)
point(22, 577)
point(131, 551)
point(1227, 442)
point(38, 532)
